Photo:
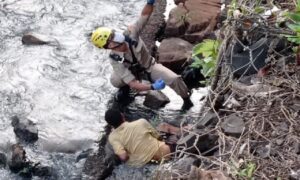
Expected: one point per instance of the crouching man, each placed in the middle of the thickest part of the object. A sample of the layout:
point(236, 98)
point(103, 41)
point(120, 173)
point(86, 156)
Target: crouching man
point(137, 142)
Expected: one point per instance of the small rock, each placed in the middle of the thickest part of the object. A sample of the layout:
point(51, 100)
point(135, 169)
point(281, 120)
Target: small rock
point(197, 173)
point(84, 154)
point(297, 148)
point(233, 125)
point(34, 39)
point(264, 151)
point(279, 142)
point(209, 118)
point(156, 99)
point(195, 142)
point(30, 39)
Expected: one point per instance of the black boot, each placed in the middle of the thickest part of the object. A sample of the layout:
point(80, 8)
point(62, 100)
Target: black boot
point(187, 104)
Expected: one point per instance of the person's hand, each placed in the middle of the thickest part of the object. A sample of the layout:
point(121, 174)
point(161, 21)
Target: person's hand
point(151, 2)
point(158, 84)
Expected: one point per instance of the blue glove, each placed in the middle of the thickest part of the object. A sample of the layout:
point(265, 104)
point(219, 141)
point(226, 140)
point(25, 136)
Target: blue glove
point(158, 84)
point(151, 2)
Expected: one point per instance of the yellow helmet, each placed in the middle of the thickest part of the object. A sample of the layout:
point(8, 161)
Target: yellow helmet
point(100, 36)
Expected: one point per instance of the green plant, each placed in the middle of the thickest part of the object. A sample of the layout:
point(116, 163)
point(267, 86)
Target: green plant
point(247, 171)
point(294, 17)
point(205, 56)
point(295, 26)
point(242, 169)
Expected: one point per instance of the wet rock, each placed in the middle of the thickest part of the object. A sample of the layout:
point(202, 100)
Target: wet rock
point(156, 99)
point(233, 125)
point(195, 142)
point(25, 129)
point(3, 160)
point(36, 39)
point(174, 52)
point(193, 20)
point(209, 118)
point(18, 163)
point(43, 171)
point(100, 165)
point(84, 154)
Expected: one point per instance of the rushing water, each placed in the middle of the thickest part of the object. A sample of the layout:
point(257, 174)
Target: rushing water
point(63, 88)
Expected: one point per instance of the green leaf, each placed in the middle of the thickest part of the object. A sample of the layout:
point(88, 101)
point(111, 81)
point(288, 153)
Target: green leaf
point(298, 6)
point(250, 169)
point(206, 48)
point(294, 27)
point(294, 16)
point(259, 9)
point(294, 39)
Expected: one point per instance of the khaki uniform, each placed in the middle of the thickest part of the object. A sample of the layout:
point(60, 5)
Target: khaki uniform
point(122, 75)
point(140, 140)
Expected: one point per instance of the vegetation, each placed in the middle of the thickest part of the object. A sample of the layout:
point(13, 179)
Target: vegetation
point(205, 57)
point(294, 17)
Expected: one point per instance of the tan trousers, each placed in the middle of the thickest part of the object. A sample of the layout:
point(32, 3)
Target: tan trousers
point(159, 71)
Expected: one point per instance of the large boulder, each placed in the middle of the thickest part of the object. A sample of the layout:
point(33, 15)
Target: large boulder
point(176, 23)
point(193, 20)
point(174, 52)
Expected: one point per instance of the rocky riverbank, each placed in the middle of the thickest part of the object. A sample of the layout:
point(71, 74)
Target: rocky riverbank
point(249, 125)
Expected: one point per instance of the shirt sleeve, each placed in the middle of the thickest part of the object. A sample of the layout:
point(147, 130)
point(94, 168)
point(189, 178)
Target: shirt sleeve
point(122, 71)
point(151, 129)
point(116, 145)
point(135, 29)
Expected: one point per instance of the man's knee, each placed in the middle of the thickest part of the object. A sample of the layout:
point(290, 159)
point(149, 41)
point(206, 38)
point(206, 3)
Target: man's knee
point(116, 81)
